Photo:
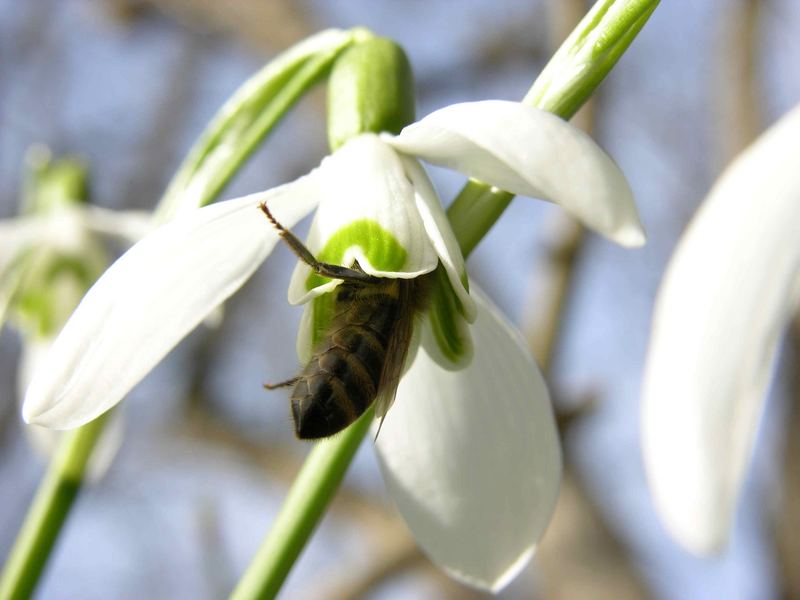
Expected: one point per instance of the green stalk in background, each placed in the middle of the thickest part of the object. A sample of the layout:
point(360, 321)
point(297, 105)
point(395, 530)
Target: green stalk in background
point(238, 128)
point(567, 81)
point(39, 312)
point(49, 510)
point(563, 86)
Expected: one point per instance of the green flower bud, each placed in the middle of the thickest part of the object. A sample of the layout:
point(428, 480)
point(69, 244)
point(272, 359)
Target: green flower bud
point(371, 89)
point(47, 281)
point(51, 185)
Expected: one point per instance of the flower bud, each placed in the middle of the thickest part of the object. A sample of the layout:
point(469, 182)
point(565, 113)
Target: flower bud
point(371, 90)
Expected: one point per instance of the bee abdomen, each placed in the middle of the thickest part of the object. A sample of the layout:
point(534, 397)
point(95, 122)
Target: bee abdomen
point(339, 383)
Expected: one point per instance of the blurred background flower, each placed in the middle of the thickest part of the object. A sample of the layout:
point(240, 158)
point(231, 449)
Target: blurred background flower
point(129, 84)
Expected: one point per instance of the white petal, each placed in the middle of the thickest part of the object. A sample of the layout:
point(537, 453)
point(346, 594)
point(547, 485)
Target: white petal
point(440, 234)
point(45, 441)
point(472, 457)
point(67, 229)
point(529, 152)
point(131, 226)
point(364, 181)
point(63, 229)
point(731, 287)
point(151, 298)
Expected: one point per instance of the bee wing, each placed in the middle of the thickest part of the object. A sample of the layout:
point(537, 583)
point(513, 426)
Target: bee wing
point(396, 354)
point(413, 295)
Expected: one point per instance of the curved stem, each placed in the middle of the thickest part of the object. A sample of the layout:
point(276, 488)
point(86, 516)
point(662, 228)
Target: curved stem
point(49, 510)
point(309, 496)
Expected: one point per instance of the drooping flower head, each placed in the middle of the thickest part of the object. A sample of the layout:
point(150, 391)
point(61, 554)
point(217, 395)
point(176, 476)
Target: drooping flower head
point(375, 204)
point(49, 257)
point(469, 450)
point(729, 291)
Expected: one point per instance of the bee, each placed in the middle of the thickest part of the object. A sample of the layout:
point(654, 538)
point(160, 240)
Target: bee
point(360, 358)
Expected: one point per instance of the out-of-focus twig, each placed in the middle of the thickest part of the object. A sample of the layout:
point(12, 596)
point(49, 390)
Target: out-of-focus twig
point(264, 26)
point(581, 556)
point(157, 148)
point(552, 279)
point(394, 549)
point(398, 558)
point(738, 106)
point(786, 523)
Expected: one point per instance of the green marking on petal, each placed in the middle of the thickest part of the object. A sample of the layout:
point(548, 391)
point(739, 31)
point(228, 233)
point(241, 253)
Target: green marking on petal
point(380, 247)
point(321, 316)
point(464, 280)
point(449, 327)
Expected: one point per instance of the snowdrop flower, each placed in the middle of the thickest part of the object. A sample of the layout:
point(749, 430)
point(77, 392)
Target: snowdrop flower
point(48, 259)
point(730, 289)
point(469, 450)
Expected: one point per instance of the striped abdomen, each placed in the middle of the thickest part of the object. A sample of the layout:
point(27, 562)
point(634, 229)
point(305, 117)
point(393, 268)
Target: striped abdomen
point(342, 378)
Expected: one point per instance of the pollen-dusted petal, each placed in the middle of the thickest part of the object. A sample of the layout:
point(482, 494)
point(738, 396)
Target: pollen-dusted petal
point(472, 457)
point(441, 235)
point(368, 214)
point(730, 289)
point(529, 152)
point(154, 295)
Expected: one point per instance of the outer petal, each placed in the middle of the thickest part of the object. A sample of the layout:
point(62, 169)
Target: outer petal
point(472, 457)
point(45, 441)
point(151, 298)
point(729, 290)
point(532, 153)
point(368, 213)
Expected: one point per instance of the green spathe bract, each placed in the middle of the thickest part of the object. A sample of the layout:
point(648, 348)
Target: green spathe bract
point(249, 116)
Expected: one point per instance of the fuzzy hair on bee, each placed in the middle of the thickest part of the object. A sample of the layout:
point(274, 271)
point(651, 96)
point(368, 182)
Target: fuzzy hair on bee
point(360, 358)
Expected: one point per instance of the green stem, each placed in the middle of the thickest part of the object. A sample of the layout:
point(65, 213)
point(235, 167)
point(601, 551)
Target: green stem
point(474, 211)
point(564, 85)
point(308, 498)
point(49, 510)
point(476, 208)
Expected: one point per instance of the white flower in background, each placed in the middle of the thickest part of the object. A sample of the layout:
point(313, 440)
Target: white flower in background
point(469, 450)
point(730, 289)
point(48, 259)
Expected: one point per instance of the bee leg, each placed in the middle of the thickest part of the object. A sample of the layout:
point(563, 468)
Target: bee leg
point(287, 383)
point(304, 254)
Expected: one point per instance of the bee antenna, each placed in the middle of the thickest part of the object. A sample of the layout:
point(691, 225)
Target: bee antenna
point(273, 220)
